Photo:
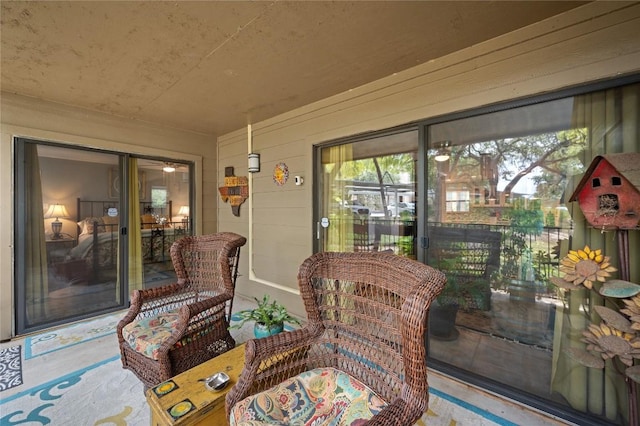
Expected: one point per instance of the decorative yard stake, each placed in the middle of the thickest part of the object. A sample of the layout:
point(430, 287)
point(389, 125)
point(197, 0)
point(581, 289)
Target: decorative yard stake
point(609, 197)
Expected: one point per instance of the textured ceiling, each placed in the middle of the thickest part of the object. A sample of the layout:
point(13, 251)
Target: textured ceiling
point(213, 67)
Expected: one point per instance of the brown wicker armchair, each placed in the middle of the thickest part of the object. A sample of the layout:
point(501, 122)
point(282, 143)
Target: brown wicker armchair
point(367, 320)
point(173, 328)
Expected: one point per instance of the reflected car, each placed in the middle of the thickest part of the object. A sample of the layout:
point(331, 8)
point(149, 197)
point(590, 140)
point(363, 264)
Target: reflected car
point(401, 209)
point(357, 208)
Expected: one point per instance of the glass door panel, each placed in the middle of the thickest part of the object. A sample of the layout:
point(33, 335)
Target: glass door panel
point(495, 225)
point(368, 195)
point(92, 226)
point(68, 235)
point(165, 216)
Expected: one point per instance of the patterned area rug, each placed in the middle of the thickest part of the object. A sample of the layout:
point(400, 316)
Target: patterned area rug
point(61, 338)
point(10, 367)
point(113, 396)
point(80, 381)
point(102, 393)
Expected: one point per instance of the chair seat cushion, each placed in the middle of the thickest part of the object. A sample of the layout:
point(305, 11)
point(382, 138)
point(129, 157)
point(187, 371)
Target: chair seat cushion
point(147, 334)
point(323, 396)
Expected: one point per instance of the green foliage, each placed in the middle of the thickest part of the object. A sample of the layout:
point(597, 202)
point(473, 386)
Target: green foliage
point(364, 170)
point(546, 158)
point(266, 313)
point(550, 219)
point(462, 294)
point(525, 222)
point(457, 290)
point(405, 245)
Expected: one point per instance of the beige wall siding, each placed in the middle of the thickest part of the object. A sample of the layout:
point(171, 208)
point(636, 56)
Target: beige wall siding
point(28, 117)
point(597, 41)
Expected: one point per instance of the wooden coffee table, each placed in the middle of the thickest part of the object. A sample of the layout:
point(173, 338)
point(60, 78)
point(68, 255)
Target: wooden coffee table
point(184, 400)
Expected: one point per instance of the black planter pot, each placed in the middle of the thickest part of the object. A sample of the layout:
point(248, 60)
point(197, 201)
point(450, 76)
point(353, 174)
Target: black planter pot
point(442, 322)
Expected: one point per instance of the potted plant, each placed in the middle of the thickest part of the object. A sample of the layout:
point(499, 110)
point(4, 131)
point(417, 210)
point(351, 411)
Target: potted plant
point(269, 317)
point(454, 296)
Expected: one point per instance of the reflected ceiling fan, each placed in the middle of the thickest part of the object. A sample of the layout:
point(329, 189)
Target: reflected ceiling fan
point(169, 167)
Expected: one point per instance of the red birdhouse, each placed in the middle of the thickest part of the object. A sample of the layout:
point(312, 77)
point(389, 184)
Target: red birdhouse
point(609, 192)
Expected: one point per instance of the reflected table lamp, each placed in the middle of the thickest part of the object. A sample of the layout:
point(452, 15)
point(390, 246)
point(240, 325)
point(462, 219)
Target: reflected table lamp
point(184, 212)
point(56, 211)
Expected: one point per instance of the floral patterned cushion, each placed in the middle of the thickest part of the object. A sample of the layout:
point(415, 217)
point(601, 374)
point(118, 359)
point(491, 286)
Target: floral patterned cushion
point(323, 396)
point(147, 334)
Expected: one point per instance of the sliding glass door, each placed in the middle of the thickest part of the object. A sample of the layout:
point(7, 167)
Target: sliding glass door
point(368, 197)
point(486, 199)
point(499, 224)
point(57, 268)
point(90, 227)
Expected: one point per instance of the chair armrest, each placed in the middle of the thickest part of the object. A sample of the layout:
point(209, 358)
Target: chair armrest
point(264, 358)
point(141, 297)
point(196, 307)
point(186, 313)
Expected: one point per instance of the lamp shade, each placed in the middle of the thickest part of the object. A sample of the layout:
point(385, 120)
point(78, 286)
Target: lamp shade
point(57, 211)
point(184, 211)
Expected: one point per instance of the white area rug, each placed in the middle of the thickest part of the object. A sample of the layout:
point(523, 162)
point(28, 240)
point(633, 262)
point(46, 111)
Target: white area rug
point(61, 338)
point(104, 393)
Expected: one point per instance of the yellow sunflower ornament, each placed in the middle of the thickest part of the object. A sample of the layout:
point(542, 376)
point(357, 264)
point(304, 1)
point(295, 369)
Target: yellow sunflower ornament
point(584, 266)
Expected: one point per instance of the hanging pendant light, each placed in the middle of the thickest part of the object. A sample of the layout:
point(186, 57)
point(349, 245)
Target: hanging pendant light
point(443, 152)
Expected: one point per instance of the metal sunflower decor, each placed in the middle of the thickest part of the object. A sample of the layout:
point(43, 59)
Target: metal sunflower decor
point(613, 337)
point(584, 266)
point(616, 338)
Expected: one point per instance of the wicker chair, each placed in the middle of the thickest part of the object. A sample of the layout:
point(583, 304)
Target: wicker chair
point(367, 320)
point(173, 328)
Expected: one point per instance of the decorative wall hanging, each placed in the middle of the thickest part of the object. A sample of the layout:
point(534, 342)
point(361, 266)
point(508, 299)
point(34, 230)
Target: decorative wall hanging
point(280, 174)
point(235, 190)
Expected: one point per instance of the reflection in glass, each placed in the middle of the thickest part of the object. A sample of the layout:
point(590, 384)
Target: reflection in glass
point(498, 226)
point(369, 195)
point(70, 251)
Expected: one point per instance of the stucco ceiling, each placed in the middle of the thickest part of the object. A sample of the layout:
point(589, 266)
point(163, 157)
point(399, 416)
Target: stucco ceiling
point(213, 67)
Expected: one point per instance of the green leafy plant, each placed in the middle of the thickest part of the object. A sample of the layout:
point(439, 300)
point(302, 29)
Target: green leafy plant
point(462, 294)
point(267, 313)
point(525, 223)
point(461, 291)
point(405, 244)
